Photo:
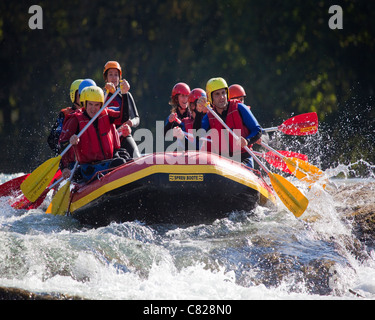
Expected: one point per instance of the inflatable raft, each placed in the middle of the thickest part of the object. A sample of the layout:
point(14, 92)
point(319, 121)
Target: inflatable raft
point(176, 188)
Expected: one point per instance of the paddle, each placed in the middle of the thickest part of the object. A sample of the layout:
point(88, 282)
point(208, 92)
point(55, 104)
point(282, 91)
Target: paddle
point(277, 162)
point(292, 198)
point(300, 125)
point(11, 186)
point(60, 201)
point(298, 167)
point(38, 180)
point(24, 203)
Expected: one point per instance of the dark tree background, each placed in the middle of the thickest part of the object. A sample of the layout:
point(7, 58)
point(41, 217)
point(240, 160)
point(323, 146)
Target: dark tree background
point(282, 52)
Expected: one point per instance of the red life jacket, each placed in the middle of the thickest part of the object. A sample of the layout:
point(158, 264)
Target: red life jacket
point(69, 113)
point(234, 121)
point(188, 122)
point(96, 144)
point(117, 103)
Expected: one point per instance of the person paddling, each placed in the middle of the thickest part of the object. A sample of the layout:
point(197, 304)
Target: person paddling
point(124, 102)
point(75, 90)
point(236, 115)
point(99, 146)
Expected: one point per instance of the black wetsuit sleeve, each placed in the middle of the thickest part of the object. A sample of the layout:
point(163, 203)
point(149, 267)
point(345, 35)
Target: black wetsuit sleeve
point(133, 111)
point(255, 138)
point(53, 138)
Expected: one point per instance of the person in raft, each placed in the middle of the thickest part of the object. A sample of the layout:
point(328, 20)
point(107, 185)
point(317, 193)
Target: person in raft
point(179, 103)
point(193, 121)
point(236, 115)
point(123, 102)
point(98, 148)
point(53, 138)
point(237, 92)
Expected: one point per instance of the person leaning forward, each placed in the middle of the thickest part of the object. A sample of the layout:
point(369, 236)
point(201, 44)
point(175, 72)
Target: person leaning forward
point(99, 146)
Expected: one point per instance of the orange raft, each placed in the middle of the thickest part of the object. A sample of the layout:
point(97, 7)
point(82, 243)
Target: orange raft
point(174, 188)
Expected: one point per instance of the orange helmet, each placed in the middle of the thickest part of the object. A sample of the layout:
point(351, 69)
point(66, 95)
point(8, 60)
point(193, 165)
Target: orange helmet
point(112, 65)
point(236, 91)
point(180, 88)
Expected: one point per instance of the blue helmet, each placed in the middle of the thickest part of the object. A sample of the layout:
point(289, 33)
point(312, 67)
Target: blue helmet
point(86, 83)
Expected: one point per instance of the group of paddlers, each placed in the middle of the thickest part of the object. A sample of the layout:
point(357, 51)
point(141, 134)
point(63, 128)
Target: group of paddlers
point(108, 142)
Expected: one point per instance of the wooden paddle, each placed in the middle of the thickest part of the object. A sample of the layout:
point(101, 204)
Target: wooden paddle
point(38, 180)
point(300, 125)
point(292, 198)
point(60, 201)
point(298, 167)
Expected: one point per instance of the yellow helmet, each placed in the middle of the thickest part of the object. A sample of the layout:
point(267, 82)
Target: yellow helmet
point(215, 84)
point(92, 93)
point(73, 88)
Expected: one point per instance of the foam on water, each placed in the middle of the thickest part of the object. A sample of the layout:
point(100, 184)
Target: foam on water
point(268, 254)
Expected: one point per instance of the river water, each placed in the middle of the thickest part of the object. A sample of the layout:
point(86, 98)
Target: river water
point(264, 254)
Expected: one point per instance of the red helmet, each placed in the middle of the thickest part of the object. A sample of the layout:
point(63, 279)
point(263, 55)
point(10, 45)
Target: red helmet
point(196, 94)
point(180, 88)
point(236, 91)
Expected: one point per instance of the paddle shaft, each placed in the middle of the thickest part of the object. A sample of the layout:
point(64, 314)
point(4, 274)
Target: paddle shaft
point(238, 138)
point(293, 199)
point(272, 129)
point(73, 171)
point(272, 150)
point(92, 120)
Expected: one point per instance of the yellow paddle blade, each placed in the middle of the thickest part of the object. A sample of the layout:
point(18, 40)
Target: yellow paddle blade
point(60, 201)
point(49, 209)
point(33, 186)
point(303, 170)
point(293, 199)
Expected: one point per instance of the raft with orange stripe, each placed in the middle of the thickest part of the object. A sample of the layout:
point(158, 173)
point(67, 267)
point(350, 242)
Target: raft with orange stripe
point(174, 188)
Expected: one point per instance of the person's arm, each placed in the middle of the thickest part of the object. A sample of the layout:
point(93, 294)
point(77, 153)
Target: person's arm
point(53, 138)
point(114, 116)
point(70, 128)
point(133, 111)
point(170, 124)
point(251, 123)
point(205, 123)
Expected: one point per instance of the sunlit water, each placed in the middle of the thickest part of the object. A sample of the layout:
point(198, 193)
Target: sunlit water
point(264, 254)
